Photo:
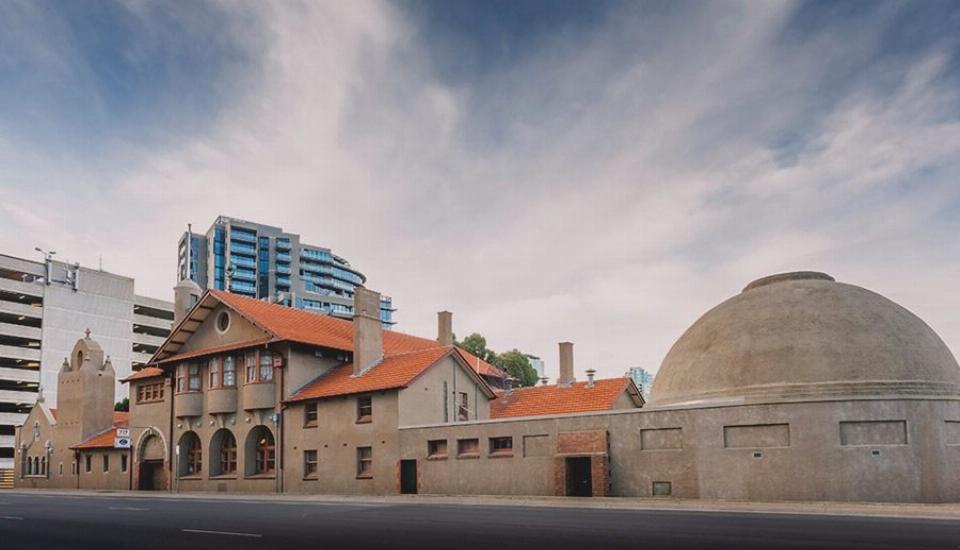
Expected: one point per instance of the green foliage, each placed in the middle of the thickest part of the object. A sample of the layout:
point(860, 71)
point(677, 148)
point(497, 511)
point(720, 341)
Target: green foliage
point(123, 406)
point(516, 364)
point(513, 362)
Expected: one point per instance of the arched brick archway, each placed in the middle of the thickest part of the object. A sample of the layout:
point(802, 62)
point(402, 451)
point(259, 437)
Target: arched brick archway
point(151, 467)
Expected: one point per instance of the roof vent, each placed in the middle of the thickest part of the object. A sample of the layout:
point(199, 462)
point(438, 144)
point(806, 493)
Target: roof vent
point(590, 374)
point(792, 276)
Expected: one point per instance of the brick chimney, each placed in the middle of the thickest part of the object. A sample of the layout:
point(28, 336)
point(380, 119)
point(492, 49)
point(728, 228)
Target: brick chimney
point(367, 334)
point(445, 328)
point(566, 365)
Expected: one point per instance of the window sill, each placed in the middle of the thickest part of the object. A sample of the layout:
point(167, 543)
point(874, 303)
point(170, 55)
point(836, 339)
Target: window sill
point(364, 420)
point(192, 477)
point(365, 477)
point(224, 477)
point(468, 456)
point(258, 383)
point(310, 425)
point(500, 455)
point(222, 388)
point(438, 457)
point(261, 476)
point(151, 402)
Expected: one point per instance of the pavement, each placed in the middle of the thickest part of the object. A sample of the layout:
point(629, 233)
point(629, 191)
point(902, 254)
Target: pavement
point(82, 520)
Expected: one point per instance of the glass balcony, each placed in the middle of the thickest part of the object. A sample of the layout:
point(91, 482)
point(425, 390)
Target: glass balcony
point(284, 269)
point(242, 261)
point(283, 244)
point(241, 248)
point(321, 255)
point(241, 235)
point(283, 257)
point(245, 275)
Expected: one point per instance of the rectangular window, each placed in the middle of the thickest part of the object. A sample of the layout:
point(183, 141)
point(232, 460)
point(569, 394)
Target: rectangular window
point(229, 372)
point(61, 468)
point(181, 378)
point(251, 364)
point(193, 377)
point(215, 379)
point(463, 407)
point(123, 463)
point(88, 463)
point(364, 409)
point(150, 393)
point(266, 366)
point(310, 414)
point(310, 463)
point(106, 463)
point(365, 462)
point(501, 446)
point(468, 448)
point(437, 448)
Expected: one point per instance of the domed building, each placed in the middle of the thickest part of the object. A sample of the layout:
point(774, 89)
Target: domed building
point(801, 387)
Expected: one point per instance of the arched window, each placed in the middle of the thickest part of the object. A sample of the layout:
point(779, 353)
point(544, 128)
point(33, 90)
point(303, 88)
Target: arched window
point(191, 455)
point(43, 466)
point(223, 453)
point(36, 466)
point(261, 452)
point(28, 466)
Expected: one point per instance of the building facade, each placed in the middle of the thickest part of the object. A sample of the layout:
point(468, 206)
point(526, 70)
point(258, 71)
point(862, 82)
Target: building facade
point(642, 378)
point(537, 364)
point(264, 262)
point(44, 306)
point(798, 388)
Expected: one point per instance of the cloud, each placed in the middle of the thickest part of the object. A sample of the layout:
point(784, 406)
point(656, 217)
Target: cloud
point(605, 184)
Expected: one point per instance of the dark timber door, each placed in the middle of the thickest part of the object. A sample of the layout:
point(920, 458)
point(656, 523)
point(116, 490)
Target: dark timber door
point(579, 478)
point(408, 477)
point(151, 472)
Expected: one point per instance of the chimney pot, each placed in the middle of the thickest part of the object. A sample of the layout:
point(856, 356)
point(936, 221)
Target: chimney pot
point(566, 365)
point(590, 374)
point(445, 328)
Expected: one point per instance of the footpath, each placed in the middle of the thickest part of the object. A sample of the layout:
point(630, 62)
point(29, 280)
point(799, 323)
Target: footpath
point(948, 511)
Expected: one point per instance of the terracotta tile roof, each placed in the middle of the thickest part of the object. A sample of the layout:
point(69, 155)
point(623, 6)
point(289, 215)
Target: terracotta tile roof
point(395, 371)
point(543, 400)
point(481, 366)
point(209, 351)
point(146, 372)
point(105, 438)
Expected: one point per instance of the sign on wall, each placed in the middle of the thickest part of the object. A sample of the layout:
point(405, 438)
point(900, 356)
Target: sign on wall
point(121, 439)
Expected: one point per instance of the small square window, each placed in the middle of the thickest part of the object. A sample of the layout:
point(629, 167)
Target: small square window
point(501, 446)
point(662, 488)
point(364, 409)
point(437, 448)
point(365, 462)
point(310, 463)
point(468, 448)
point(310, 414)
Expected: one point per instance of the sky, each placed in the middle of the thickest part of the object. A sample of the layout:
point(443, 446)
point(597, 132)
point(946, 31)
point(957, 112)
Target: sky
point(595, 172)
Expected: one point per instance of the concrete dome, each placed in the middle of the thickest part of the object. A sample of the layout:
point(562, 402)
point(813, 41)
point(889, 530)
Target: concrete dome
point(802, 336)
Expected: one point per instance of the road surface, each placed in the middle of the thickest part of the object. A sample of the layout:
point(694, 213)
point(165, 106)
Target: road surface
point(48, 522)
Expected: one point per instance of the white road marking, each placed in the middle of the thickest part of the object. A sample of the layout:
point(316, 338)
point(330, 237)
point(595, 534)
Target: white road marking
point(11, 517)
point(228, 533)
point(130, 508)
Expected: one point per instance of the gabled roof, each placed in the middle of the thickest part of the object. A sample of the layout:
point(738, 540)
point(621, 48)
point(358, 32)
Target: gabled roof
point(282, 323)
point(545, 400)
point(105, 438)
point(394, 372)
point(146, 372)
point(481, 366)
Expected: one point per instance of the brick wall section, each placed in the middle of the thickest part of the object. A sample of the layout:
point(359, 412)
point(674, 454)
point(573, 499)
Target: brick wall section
point(582, 443)
point(600, 475)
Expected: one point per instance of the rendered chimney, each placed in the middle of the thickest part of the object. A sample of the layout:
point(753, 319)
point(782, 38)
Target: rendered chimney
point(367, 334)
point(590, 374)
point(445, 328)
point(566, 365)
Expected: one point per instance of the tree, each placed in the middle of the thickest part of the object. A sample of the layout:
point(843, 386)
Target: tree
point(516, 364)
point(477, 345)
point(123, 406)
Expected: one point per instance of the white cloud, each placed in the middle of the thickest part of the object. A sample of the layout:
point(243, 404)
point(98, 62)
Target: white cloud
point(624, 191)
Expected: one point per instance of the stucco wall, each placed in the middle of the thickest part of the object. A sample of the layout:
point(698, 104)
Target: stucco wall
point(422, 402)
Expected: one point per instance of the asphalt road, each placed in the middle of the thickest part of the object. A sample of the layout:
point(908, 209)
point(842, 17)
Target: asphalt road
point(51, 522)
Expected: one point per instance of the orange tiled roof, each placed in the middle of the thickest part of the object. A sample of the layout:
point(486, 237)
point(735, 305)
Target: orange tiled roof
point(105, 438)
point(146, 372)
point(543, 400)
point(216, 349)
point(285, 323)
point(395, 371)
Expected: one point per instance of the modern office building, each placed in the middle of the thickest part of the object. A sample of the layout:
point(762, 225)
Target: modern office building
point(264, 262)
point(44, 308)
point(537, 364)
point(642, 378)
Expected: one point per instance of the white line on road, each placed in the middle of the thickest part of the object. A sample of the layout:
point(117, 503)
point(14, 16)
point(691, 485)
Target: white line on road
point(11, 517)
point(130, 508)
point(228, 533)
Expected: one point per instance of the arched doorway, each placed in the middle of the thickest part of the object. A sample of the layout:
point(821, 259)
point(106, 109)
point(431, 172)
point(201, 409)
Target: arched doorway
point(260, 452)
point(151, 453)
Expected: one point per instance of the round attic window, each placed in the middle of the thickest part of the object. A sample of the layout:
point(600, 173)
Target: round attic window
point(223, 321)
